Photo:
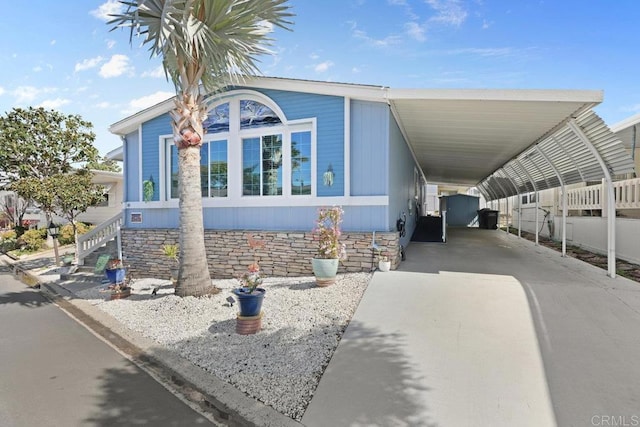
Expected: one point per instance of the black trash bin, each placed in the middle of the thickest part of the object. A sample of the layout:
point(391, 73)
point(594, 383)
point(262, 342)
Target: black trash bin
point(488, 219)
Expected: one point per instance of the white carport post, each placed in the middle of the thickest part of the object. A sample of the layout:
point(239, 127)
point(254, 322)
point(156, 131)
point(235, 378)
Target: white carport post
point(506, 198)
point(515, 171)
point(535, 188)
point(564, 199)
point(611, 200)
point(519, 203)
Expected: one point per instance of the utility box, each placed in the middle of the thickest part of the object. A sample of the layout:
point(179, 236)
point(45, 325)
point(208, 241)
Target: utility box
point(488, 219)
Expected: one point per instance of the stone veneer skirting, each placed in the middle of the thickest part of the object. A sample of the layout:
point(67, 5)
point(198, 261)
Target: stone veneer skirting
point(285, 253)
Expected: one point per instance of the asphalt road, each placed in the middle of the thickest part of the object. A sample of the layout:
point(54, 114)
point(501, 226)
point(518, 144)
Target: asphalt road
point(53, 372)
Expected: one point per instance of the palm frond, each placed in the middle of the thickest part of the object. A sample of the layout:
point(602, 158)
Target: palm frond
point(208, 42)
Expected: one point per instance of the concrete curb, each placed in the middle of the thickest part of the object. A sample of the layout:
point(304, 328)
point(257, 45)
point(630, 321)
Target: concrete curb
point(216, 398)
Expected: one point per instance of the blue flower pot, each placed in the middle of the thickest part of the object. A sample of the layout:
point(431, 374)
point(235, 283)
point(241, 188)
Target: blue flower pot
point(250, 303)
point(115, 275)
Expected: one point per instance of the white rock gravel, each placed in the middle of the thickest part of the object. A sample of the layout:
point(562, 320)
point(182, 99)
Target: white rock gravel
point(281, 365)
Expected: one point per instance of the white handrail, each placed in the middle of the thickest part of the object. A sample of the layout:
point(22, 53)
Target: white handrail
point(89, 242)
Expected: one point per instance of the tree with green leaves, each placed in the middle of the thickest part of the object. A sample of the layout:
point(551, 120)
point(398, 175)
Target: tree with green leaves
point(38, 143)
point(67, 195)
point(208, 43)
point(104, 164)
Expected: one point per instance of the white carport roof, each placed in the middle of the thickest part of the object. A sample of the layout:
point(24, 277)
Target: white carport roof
point(507, 141)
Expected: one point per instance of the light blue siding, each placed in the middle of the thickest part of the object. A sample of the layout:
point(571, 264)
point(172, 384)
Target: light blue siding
point(369, 168)
point(329, 113)
point(401, 181)
point(151, 131)
point(131, 173)
point(356, 218)
point(369, 148)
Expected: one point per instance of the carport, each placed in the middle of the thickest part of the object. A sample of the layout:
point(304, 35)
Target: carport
point(512, 142)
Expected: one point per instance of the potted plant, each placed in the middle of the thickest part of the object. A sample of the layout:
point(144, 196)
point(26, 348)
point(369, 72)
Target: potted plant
point(330, 250)
point(384, 264)
point(173, 252)
point(249, 294)
point(115, 271)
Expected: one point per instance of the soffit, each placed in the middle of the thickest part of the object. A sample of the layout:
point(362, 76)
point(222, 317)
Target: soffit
point(463, 136)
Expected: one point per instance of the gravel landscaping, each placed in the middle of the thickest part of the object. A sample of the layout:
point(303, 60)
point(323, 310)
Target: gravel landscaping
point(279, 366)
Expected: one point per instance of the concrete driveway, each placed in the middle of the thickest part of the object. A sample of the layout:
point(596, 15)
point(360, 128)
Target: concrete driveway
point(487, 329)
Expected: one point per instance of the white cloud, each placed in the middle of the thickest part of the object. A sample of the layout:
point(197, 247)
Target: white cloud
point(88, 63)
point(486, 24)
point(380, 43)
point(2, 91)
point(415, 31)
point(157, 72)
point(449, 12)
point(111, 7)
point(28, 94)
point(355, 70)
point(110, 43)
point(116, 66)
point(25, 94)
point(37, 69)
point(103, 105)
point(385, 42)
point(52, 42)
point(138, 104)
point(54, 103)
point(323, 66)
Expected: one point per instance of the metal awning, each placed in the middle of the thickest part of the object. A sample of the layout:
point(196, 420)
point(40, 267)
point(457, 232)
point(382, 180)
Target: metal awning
point(565, 156)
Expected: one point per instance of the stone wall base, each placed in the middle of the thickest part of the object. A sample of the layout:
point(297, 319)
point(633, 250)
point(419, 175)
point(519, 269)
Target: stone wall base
point(283, 254)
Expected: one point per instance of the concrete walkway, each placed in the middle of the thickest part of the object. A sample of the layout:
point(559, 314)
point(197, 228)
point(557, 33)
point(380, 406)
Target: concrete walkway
point(487, 329)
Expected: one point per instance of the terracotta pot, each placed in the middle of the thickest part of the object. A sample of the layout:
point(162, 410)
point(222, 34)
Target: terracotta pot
point(121, 294)
point(248, 325)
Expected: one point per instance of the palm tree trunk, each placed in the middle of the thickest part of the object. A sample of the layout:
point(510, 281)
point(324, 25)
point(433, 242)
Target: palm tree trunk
point(193, 275)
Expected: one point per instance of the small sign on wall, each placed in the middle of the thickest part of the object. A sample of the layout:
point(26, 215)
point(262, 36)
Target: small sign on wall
point(135, 217)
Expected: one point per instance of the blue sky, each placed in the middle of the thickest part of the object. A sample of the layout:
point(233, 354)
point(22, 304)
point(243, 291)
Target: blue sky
point(60, 54)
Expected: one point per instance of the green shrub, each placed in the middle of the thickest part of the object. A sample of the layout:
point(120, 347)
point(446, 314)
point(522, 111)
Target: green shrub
point(66, 233)
point(7, 241)
point(33, 240)
point(9, 235)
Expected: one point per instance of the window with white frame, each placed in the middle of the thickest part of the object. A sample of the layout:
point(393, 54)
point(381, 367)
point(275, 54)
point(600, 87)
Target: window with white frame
point(213, 169)
point(249, 151)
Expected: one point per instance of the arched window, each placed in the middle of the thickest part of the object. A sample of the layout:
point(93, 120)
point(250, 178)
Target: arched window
point(250, 149)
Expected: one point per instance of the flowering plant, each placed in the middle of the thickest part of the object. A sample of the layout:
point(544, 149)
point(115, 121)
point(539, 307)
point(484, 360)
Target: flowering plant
point(114, 263)
point(328, 232)
point(252, 278)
